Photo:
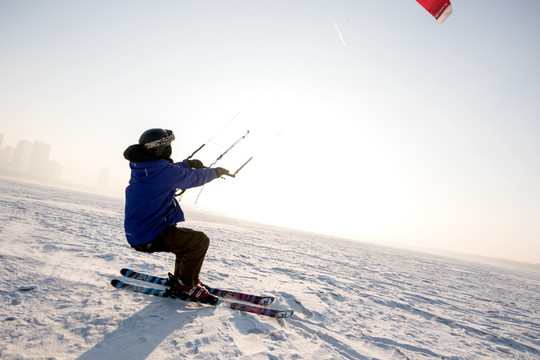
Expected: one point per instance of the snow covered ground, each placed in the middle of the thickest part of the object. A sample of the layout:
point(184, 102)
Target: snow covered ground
point(59, 250)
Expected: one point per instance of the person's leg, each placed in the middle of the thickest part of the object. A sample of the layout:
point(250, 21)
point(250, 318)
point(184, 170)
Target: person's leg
point(190, 248)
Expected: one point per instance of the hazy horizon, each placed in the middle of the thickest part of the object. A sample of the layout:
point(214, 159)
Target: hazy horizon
point(190, 208)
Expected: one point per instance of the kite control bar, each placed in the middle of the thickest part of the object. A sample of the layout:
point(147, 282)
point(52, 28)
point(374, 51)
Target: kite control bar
point(218, 159)
point(196, 151)
point(226, 151)
point(240, 168)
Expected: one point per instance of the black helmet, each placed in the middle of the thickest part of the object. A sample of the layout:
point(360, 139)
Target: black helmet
point(154, 138)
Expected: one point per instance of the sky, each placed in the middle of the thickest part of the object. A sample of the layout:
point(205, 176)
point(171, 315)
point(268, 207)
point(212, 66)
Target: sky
point(367, 119)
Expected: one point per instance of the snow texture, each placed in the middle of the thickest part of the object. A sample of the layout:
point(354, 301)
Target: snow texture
point(60, 249)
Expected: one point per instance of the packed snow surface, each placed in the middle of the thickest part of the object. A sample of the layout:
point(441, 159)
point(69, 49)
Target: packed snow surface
point(59, 250)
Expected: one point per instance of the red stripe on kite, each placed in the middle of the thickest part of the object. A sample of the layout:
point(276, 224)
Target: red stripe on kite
point(440, 9)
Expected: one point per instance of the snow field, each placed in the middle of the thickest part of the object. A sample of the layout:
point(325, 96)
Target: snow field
point(59, 250)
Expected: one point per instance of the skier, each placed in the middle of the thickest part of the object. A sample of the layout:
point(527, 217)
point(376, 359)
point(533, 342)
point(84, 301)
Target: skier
point(152, 211)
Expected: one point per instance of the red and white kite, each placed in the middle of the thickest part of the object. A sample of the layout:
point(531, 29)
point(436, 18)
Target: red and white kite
point(440, 9)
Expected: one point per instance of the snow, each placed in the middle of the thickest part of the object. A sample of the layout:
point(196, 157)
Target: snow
point(59, 250)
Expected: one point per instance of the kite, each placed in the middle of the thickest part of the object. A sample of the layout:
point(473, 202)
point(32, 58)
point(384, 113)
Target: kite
point(440, 9)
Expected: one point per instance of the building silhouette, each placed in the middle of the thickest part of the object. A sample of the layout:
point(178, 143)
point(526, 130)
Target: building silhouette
point(30, 159)
point(20, 159)
point(39, 158)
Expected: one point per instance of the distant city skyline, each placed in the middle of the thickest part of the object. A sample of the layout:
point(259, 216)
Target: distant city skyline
point(32, 159)
point(29, 158)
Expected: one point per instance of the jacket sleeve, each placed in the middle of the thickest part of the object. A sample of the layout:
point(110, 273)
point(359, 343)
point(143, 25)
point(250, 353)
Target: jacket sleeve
point(183, 164)
point(186, 178)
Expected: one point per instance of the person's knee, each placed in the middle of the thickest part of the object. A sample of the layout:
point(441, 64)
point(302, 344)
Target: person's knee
point(204, 240)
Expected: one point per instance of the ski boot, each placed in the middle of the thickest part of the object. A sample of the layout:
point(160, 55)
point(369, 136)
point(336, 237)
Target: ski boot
point(197, 292)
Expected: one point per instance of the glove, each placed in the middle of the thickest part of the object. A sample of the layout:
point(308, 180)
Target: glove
point(195, 164)
point(221, 171)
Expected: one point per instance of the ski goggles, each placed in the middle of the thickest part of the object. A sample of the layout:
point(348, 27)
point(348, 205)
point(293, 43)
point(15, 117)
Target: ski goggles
point(161, 142)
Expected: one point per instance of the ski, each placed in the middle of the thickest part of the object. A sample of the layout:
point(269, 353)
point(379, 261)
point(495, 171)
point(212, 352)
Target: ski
point(119, 284)
point(275, 313)
point(228, 294)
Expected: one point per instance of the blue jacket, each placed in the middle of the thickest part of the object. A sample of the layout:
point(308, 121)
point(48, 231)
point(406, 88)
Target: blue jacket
point(150, 202)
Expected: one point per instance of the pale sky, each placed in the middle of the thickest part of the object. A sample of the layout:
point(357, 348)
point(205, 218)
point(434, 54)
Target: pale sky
point(368, 119)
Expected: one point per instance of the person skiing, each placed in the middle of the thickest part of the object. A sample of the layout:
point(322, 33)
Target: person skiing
point(152, 211)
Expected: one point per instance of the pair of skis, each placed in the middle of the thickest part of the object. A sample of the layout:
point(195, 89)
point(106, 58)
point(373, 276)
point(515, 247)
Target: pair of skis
point(249, 303)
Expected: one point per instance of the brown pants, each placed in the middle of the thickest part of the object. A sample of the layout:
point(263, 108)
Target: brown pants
point(188, 245)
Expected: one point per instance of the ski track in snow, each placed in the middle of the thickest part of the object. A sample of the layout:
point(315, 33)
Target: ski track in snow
point(60, 249)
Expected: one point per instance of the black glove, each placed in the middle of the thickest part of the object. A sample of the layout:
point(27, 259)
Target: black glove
point(221, 171)
point(195, 164)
